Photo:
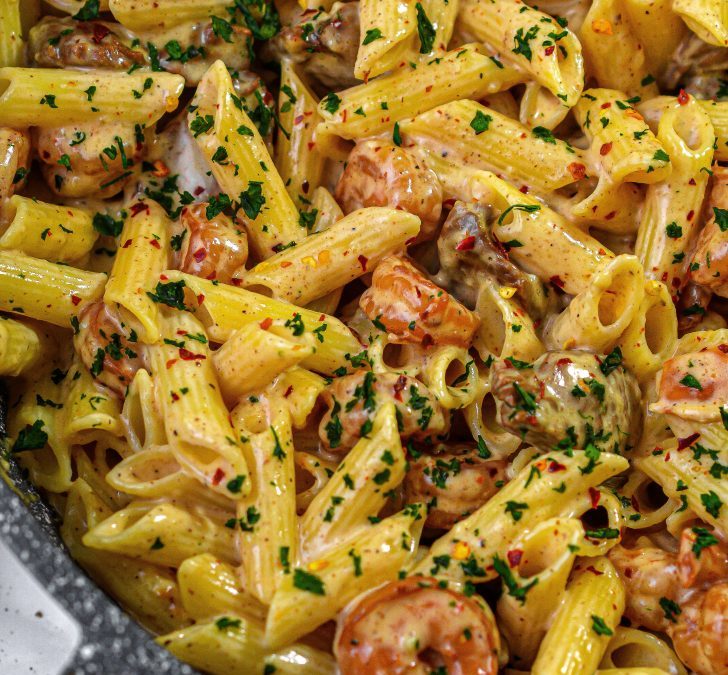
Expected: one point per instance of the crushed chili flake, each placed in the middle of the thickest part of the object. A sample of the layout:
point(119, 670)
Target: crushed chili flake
point(556, 280)
point(466, 244)
point(137, 208)
point(608, 104)
point(218, 476)
point(691, 213)
point(200, 298)
point(605, 149)
point(514, 557)
point(75, 299)
point(175, 396)
point(126, 244)
point(399, 386)
point(686, 442)
point(289, 391)
point(577, 170)
point(286, 263)
point(170, 363)
point(363, 260)
point(595, 496)
point(155, 243)
point(187, 355)
point(683, 97)
point(549, 50)
point(555, 466)
point(199, 255)
point(266, 323)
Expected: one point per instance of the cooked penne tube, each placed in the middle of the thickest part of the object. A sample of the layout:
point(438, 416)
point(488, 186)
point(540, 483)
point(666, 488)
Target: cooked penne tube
point(143, 253)
point(268, 537)
point(45, 291)
point(51, 98)
point(11, 34)
point(670, 218)
point(48, 231)
point(155, 15)
point(651, 336)
point(298, 161)
point(224, 309)
point(340, 512)
point(463, 73)
point(635, 651)
point(328, 260)
point(196, 419)
point(584, 623)
point(316, 592)
point(241, 164)
point(708, 19)
point(532, 41)
point(388, 29)
point(255, 356)
point(20, 347)
point(596, 317)
point(468, 133)
point(165, 534)
point(614, 52)
point(235, 644)
point(471, 545)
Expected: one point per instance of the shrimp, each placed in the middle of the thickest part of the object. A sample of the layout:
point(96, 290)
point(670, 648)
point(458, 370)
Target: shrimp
point(379, 173)
point(709, 266)
point(416, 626)
point(212, 249)
point(700, 565)
point(354, 400)
point(414, 310)
point(694, 386)
point(456, 483)
point(15, 157)
point(649, 574)
point(700, 631)
point(89, 160)
point(112, 356)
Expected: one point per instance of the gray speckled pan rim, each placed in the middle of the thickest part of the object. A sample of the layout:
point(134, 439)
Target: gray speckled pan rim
point(112, 642)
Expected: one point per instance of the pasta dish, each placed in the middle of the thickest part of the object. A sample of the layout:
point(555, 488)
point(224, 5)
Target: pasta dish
point(377, 337)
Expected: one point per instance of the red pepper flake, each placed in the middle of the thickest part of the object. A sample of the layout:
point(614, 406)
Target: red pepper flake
point(692, 182)
point(286, 263)
point(555, 466)
point(127, 243)
point(163, 277)
point(466, 244)
point(199, 255)
point(595, 496)
point(298, 119)
point(200, 298)
point(363, 260)
point(161, 170)
point(236, 282)
point(723, 348)
point(311, 145)
point(605, 149)
point(199, 190)
point(532, 420)
point(399, 386)
point(428, 89)
point(100, 32)
point(564, 362)
point(187, 355)
point(691, 213)
point(610, 215)
point(682, 97)
point(343, 116)
point(556, 280)
point(218, 476)
point(514, 557)
point(322, 317)
point(155, 243)
point(289, 391)
point(75, 299)
point(265, 324)
point(686, 442)
point(549, 50)
point(171, 362)
point(137, 208)
point(523, 189)
point(212, 275)
point(606, 105)
point(175, 396)
point(577, 170)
